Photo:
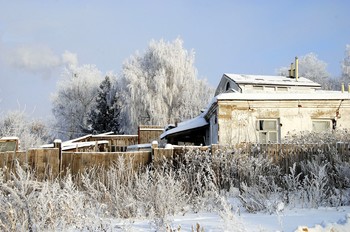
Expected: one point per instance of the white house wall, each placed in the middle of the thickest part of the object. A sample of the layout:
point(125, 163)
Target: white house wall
point(237, 119)
point(214, 129)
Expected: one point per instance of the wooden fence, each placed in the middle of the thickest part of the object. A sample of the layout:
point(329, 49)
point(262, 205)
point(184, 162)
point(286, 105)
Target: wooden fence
point(75, 162)
point(44, 162)
point(48, 163)
point(149, 133)
point(51, 162)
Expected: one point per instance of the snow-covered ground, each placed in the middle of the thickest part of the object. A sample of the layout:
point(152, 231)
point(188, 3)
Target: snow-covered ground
point(315, 220)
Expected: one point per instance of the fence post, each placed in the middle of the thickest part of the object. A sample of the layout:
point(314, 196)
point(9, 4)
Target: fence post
point(154, 146)
point(57, 143)
point(214, 149)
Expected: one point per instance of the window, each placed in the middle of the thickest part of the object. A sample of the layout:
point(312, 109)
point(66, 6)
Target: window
point(228, 86)
point(268, 130)
point(282, 88)
point(321, 125)
point(269, 88)
point(258, 87)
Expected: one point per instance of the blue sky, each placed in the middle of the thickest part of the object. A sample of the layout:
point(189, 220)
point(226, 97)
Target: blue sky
point(251, 37)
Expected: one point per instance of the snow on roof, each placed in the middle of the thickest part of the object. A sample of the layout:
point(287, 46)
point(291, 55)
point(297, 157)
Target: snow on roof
point(112, 136)
point(48, 145)
point(317, 95)
point(78, 139)
point(10, 138)
point(193, 123)
point(72, 145)
point(82, 144)
point(270, 80)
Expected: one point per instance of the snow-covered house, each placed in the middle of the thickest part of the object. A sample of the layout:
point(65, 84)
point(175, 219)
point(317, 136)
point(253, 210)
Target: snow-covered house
point(263, 109)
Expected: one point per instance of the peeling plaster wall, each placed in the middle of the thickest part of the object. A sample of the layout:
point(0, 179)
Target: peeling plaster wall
point(237, 119)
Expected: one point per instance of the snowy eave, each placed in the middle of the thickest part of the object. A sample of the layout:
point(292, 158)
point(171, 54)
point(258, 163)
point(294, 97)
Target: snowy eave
point(270, 80)
point(196, 122)
point(317, 95)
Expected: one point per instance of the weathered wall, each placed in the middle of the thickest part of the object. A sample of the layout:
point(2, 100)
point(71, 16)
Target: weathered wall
point(237, 119)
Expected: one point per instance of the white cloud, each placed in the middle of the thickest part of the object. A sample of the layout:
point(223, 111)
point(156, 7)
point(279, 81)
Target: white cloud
point(35, 58)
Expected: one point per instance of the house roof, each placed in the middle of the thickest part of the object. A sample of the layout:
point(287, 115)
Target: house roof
point(193, 123)
point(270, 80)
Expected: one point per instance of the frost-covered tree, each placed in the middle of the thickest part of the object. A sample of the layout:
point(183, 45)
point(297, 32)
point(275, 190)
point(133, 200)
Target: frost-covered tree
point(312, 68)
point(161, 85)
point(105, 116)
point(31, 132)
point(74, 99)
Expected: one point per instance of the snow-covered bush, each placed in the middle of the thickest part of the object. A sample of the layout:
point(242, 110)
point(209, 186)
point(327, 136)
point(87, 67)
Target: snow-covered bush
point(318, 175)
point(30, 205)
point(307, 137)
point(127, 193)
point(260, 186)
point(316, 184)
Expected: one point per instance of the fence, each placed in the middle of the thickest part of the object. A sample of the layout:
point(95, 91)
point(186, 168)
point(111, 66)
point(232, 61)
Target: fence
point(45, 162)
point(149, 133)
point(75, 162)
point(51, 162)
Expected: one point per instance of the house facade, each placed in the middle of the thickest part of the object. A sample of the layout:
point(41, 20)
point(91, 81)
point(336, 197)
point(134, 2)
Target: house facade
point(263, 109)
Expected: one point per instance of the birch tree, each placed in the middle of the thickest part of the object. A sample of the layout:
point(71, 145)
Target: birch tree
point(74, 99)
point(161, 86)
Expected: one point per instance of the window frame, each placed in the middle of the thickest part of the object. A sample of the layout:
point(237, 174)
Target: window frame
point(268, 132)
point(329, 128)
